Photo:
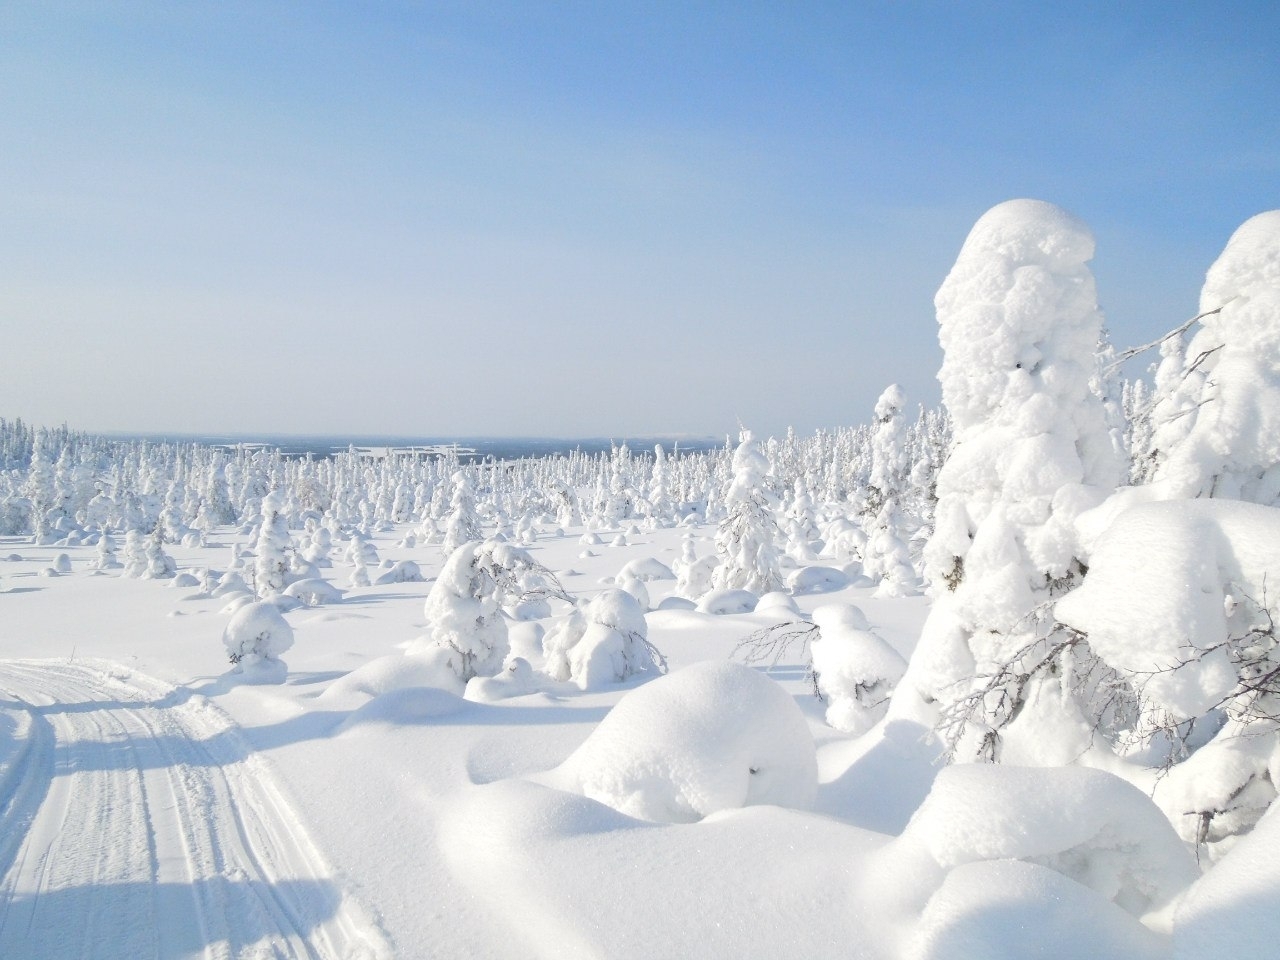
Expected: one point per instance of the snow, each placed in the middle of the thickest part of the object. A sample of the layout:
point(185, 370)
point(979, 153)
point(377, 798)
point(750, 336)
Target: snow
point(257, 632)
point(709, 744)
point(1154, 601)
point(1231, 912)
point(714, 736)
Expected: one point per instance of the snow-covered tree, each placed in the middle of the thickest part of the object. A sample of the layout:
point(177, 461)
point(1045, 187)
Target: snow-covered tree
point(272, 548)
point(603, 641)
point(463, 524)
point(1227, 443)
point(886, 557)
point(747, 538)
point(1019, 325)
point(855, 669)
point(466, 628)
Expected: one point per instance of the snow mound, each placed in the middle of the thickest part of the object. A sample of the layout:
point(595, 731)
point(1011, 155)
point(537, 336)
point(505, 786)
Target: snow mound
point(1086, 824)
point(402, 571)
point(1009, 910)
point(646, 569)
point(387, 674)
point(727, 602)
point(817, 580)
point(778, 604)
point(714, 736)
point(515, 680)
point(406, 706)
point(1230, 912)
point(313, 592)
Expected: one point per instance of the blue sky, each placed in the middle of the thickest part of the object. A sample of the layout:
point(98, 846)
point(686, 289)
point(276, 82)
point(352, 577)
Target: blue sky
point(581, 218)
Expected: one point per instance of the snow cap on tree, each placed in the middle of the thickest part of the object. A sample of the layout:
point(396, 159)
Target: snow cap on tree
point(1019, 325)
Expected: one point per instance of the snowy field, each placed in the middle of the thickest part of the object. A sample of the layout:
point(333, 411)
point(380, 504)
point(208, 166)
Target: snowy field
point(1000, 683)
point(158, 806)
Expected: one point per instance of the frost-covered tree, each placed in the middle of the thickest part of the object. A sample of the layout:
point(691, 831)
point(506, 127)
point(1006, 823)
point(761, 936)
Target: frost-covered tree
point(747, 538)
point(1019, 325)
point(466, 628)
point(106, 558)
point(1227, 443)
point(272, 548)
point(886, 557)
point(463, 524)
point(603, 641)
point(854, 669)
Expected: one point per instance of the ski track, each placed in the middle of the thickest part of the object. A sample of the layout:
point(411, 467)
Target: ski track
point(135, 823)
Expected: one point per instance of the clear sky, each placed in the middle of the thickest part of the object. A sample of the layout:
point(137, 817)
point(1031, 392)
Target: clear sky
point(581, 219)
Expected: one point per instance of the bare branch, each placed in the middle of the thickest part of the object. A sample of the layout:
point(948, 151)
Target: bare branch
point(1176, 331)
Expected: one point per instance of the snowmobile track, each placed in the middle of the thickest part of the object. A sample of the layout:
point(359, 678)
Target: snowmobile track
point(135, 822)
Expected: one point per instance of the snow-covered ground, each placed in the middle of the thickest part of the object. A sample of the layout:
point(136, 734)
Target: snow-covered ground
point(155, 806)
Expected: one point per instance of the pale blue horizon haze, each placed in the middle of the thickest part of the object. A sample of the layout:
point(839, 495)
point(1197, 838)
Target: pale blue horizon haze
point(581, 219)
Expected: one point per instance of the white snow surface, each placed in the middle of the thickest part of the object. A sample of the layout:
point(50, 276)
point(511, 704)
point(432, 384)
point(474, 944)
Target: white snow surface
point(371, 805)
point(1155, 600)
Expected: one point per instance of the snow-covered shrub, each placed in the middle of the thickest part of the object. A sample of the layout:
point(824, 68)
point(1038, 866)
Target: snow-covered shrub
point(1019, 326)
point(855, 669)
point(106, 558)
point(257, 632)
point(465, 624)
point(601, 642)
point(713, 736)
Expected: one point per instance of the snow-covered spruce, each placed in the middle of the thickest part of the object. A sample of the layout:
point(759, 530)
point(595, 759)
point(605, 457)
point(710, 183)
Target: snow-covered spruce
point(255, 638)
point(272, 549)
point(1019, 325)
point(1219, 423)
point(855, 669)
point(463, 524)
point(747, 539)
point(466, 629)
point(601, 642)
point(886, 558)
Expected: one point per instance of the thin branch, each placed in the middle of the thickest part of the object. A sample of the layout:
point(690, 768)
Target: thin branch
point(1177, 331)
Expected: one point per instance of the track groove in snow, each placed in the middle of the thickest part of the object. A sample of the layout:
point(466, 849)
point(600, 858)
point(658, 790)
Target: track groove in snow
point(134, 822)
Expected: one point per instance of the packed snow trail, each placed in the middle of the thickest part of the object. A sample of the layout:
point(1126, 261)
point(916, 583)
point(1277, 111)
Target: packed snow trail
point(135, 823)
